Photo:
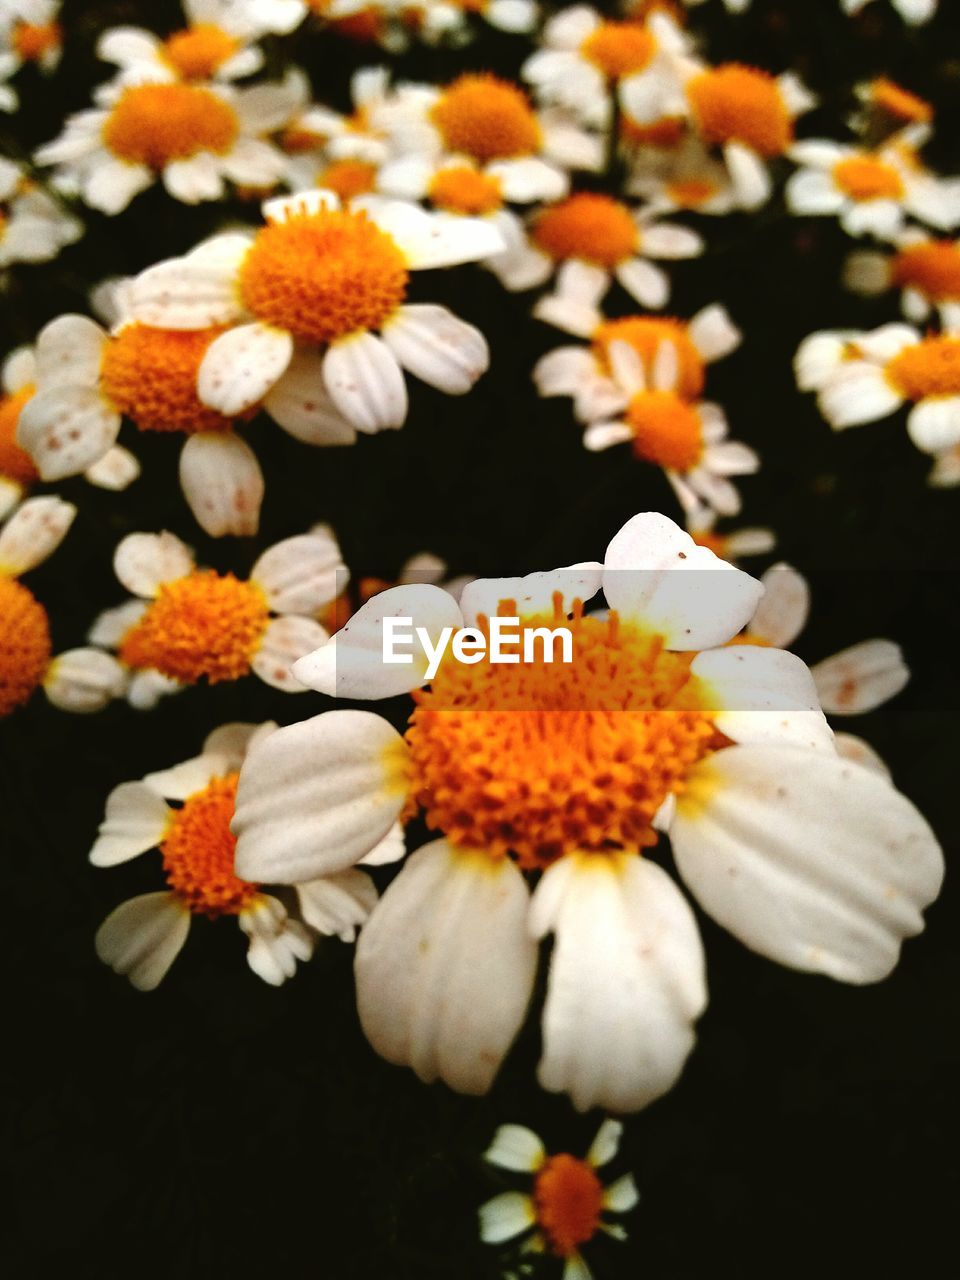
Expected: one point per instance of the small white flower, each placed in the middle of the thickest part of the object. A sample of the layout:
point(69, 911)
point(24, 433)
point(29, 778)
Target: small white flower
point(33, 227)
point(924, 269)
point(29, 32)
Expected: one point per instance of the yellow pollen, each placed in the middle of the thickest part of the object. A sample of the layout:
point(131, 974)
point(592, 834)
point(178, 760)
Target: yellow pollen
point(691, 193)
point(323, 275)
point(539, 760)
point(865, 178)
point(593, 227)
point(154, 124)
point(201, 625)
point(15, 463)
point(348, 178)
point(931, 368)
point(667, 132)
point(199, 51)
point(666, 430)
point(24, 644)
point(932, 267)
point(150, 376)
point(646, 334)
point(198, 852)
point(461, 189)
point(734, 103)
point(486, 118)
point(899, 102)
point(568, 1201)
point(619, 48)
point(31, 41)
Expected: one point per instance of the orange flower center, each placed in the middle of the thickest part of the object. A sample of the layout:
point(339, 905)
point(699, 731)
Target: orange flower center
point(203, 624)
point(198, 852)
point(31, 41)
point(667, 132)
point(593, 227)
point(865, 178)
point(154, 124)
point(646, 334)
point(24, 644)
point(538, 760)
point(896, 101)
point(15, 463)
point(348, 178)
point(932, 267)
point(931, 368)
point(323, 275)
point(691, 193)
point(199, 51)
point(666, 430)
point(464, 190)
point(150, 376)
point(619, 48)
point(568, 1200)
point(733, 103)
point(486, 118)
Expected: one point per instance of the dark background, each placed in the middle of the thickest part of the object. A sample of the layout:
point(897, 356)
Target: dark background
point(222, 1128)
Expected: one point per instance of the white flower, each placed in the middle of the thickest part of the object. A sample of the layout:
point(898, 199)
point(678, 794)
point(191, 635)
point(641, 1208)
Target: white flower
point(317, 138)
point(682, 176)
point(567, 1205)
point(80, 680)
point(302, 296)
point(809, 859)
point(863, 377)
point(191, 624)
point(29, 32)
point(33, 227)
point(926, 270)
point(194, 137)
point(142, 938)
point(871, 192)
point(914, 12)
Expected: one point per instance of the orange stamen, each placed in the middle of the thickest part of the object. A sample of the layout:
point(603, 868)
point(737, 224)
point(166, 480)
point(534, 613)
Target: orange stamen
point(486, 118)
point(930, 368)
point(734, 103)
point(24, 644)
point(15, 463)
point(568, 1200)
point(150, 376)
point(593, 227)
point(154, 124)
point(198, 852)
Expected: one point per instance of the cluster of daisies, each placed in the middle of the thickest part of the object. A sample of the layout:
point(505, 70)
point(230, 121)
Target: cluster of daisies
point(547, 788)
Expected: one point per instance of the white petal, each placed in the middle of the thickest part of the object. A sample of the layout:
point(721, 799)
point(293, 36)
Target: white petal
point(606, 1144)
point(441, 350)
point(339, 904)
point(124, 45)
point(713, 333)
point(606, 435)
point(136, 819)
point(445, 966)
point(506, 1216)
point(933, 425)
point(811, 191)
point(762, 695)
point(857, 393)
point(868, 273)
point(656, 573)
point(186, 293)
point(366, 383)
point(194, 180)
point(222, 483)
point(807, 858)
point(430, 240)
point(253, 162)
point(391, 848)
point(189, 776)
point(886, 342)
point(749, 175)
point(861, 678)
point(284, 642)
point(142, 938)
point(352, 664)
point(301, 574)
point(532, 594)
point(315, 797)
point(68, 353)
point(84, 680)
point(783, 611)
point(143, 561)
point(33, 533)
point(111, 184)
point(666, 240)
point(626, 980)
point(860, 752)
point(820, 356)
point(561, 371)
point(116, 470)
point(19, 368)
point(66, 429)
point(627, 367)
point(645, 282)
point(528, 179)
point(240, 367)
point(622, 1195)
point(569, 313)
point(299, 403)
point(516, 1148)
point(276, 941)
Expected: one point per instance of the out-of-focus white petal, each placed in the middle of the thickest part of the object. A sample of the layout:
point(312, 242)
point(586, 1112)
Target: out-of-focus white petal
point(66, 429)
point(299, 403)
point(861, 678)
point(285, 641)
point(783, 611)
point(84, 680)
point(516, 1148)
point(506, 1216)
point(441, 350)
point(33, 533)
point(144, 561)
point(136, 819)
point(222, 483)
point(339, 904)
point(141, 939)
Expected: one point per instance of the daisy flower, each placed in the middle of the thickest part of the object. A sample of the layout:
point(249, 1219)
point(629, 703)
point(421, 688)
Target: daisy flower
point(78, 680)
point(142, 938)
point(886, 107)
point(648, 400)
point(852, 682)
point(29, 32)
point(924, 269)
point(193, 137)
point(325, 148)
point(913, 12)
point(871, 192)
point(682, 176)
point(748, 115)
point(301, 298)
point(191, 624)
point(89, 381)
point(864, 377)
point(33, 227)
point(567, 1204)
point(584, 57)
point(18, 473)
point(569, 771)
point(607, 239)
